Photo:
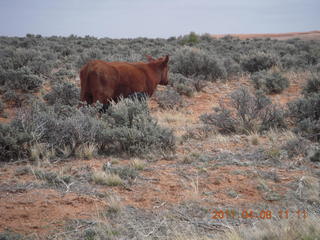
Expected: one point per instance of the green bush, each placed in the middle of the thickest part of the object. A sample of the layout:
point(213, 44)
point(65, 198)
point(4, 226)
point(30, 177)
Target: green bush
point(190, 39)
point(66, 93)
point(269, 82)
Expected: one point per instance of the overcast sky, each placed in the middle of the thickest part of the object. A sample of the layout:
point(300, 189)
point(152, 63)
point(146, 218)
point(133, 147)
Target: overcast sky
point(156, 18)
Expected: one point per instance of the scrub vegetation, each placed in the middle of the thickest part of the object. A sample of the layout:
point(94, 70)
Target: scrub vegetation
point(237, 128)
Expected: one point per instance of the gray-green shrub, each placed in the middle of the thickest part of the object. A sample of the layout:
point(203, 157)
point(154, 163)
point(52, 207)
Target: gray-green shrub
point(194, 62)
point(269, 82)
point(168, 99)
point(66, 93)
point(305, 113)
point(21, 78)
point(125, 127)
point(258, 61)
point(245, 113)
point(134, 131)
point(1, 106)
point(87, 55)
point(14, 143)
point(312, 85)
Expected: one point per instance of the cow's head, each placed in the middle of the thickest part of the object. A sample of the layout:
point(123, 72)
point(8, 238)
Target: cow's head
point(162, 63)
point(164, 71)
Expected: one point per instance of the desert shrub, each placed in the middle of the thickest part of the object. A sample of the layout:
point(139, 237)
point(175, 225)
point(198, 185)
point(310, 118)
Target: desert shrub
point(21, 78)
point(39, 62)
point(13, 142)
point(222, 119)
point(87, 55)
point(182, 84)
point(185, 90)
point(312, 85)
point(65, 93)
point(199, 132)
point(232, 67)
point(133, 130)
point(1, 106)
point(193, 62)
point(168, 99)
point(53, 178)
point(2, 76)
point(187, 85)
point(64, 74)
point(315, 157)
point(41, 65)
point(8, 235)
point(58, 126)
point(10, 96)
point(17, 99)
point(317, 68)
point(246, 113)
point(258, 61)
point(305, 113)
point(125, 127)
point(124, 172)
point(296, 146)
point(269, 82)
point(190, 39)
point(289, 61)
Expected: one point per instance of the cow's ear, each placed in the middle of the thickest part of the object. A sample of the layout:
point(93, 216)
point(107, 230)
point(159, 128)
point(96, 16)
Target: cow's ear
point(166, 59)
point(150, 59)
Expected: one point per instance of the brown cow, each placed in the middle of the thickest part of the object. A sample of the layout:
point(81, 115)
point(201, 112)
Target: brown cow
point(104, 81)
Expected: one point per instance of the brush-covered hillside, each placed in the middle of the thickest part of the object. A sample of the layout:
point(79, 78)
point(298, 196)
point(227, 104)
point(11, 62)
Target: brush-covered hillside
point(228, 150)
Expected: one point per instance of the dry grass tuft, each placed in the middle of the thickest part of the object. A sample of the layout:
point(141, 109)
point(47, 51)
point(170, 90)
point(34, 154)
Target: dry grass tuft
point(108, 179)
point(41, 152)
point(193, 194)
point(114, 204)
point(86, 151)
point(138, 164)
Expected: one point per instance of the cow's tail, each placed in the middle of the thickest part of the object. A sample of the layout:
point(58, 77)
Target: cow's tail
point(85, 93)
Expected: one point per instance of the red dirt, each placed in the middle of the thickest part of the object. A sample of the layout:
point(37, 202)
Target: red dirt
point(44, 210)
point(312, 35)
